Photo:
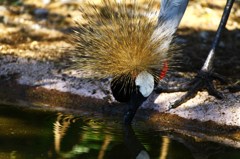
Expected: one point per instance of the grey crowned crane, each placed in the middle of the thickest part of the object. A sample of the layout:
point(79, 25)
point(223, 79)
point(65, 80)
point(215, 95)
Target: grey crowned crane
point(135, 51)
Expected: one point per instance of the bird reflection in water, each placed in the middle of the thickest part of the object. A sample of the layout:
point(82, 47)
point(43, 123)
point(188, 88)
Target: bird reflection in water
point(81, 138)
point(108, 145)
point(135, 147)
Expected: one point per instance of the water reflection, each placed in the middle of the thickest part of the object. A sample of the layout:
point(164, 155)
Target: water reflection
point(63, 125)
point(132, 144)
point(41, 134)
point(60, 127)
point(122, 144)
point(75, 138)
point(164, 148)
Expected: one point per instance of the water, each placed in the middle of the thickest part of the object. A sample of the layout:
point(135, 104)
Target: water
point(35, 134)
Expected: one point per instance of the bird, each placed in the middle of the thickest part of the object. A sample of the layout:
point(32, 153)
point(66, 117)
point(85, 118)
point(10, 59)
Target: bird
point(129, 46)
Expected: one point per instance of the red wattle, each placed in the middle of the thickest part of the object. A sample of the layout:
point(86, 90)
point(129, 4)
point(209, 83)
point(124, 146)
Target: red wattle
point(164, 70)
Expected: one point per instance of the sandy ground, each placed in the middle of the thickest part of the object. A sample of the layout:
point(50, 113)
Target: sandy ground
point(34, 40)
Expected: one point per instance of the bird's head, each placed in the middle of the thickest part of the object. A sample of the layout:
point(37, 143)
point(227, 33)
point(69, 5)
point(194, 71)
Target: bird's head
point(124, 87)
point(123, 90)
point(126, 46)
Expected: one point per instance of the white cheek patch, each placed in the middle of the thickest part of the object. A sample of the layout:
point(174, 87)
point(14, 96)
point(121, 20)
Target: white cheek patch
point(145, 81)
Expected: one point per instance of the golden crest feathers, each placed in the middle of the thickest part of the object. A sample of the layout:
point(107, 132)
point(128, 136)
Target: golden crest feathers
point(117, 41)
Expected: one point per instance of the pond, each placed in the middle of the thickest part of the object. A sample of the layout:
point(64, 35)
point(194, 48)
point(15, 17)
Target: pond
point(42, 134)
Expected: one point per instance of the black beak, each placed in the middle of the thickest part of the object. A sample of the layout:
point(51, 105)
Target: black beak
point(135, 102)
